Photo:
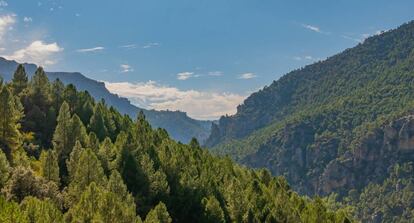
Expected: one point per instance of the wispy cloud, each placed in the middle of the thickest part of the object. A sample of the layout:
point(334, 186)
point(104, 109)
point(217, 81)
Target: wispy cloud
point(6, 23)
point(129, 46)
point(306, 58)
point(94, 49)
point(185, 75)
point(150, 45)
point(27, 19)
point(246, 76)
point(314, 28)
point(37, 52)
point(215, 73)
point(198, 104)
point(125, 68)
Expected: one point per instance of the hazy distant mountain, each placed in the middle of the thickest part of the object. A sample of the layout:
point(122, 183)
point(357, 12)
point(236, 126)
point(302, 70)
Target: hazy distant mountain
point(178, 124)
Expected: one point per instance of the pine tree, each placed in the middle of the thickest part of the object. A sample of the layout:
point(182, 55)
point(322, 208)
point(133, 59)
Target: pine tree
point(78, 131)
point(88, 170)
point(10, 116)
point(41, 210)
point(40, 90)
point(212, 210)
point(10, 212)
point(73, 160)
point(57, 96)
point(50, 167)
point(106, 155)
point(158, 184)
point(158, 215)
point(20, 80)
point(116, 185)
point(97, 122)
point(4, 169)
point(61, 139)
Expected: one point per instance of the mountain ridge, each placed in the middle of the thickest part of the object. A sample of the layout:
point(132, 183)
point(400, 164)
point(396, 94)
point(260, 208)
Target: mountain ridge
point(177, 123)
point(320, 125)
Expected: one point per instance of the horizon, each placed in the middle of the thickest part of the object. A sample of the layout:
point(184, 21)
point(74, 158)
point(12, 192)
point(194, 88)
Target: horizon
point(201, 59)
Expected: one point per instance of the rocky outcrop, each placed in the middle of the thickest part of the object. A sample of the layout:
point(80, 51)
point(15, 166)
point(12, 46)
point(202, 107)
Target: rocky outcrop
point(371, 160)
point(314, 165)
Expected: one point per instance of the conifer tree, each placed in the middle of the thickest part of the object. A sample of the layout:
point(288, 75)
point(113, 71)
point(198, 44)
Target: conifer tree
point(62, 137)
point(41, 210)
point(88, 170)
point(57, 95)
point(158, 215)
point(158, 184)
point(116, 185)
point(20, 80)
point(40, 90)
point(73, 160)
point(212, 210)
point(50, 167)
point(10, 212)
point(97, 122)
point(106, 155)
point(78, 131)
point(4, 169)
point(10, 116)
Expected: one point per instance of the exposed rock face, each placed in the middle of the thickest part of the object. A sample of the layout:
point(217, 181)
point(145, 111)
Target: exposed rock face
point(371, 160)
point(319, 168)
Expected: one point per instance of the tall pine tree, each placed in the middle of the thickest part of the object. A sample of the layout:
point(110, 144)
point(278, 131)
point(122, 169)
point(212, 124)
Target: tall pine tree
point(50, 167)
point(20, 80)
point(10, 116)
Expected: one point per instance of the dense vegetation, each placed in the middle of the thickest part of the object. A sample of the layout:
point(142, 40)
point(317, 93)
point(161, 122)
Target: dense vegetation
point(314, 125)
point(66, 158)
point(179, 126)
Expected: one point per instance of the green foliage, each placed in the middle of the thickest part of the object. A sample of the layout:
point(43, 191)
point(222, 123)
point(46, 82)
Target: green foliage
point(50, 167)
point(41, 210)
point(212, 210)
point(4, 169)
point(10, 212)
point(20, 80)
point(88, 170)
point(10, 116)
point(149, 174)
point(158, 215)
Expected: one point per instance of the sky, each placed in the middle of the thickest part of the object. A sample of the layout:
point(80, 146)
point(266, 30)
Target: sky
point(203, 57)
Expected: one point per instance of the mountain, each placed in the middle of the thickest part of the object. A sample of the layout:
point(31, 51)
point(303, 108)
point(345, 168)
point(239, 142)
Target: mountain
point(178, 124)
point(109, 168)
point(336, 126)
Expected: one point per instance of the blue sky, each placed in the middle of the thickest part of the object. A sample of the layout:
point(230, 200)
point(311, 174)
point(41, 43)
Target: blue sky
point(202, 57)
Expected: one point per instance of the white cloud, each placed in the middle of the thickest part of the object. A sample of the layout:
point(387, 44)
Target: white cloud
point(198, 104)
point(185, 75)
point(312, 28)
point(125, 68)
point(215, 73)
point(3, 3)
point(94, 49)
point(37, 52)
point(150, 45)
point(27, 19)
point(6, 23)
point(129, 46)
point(247, 76)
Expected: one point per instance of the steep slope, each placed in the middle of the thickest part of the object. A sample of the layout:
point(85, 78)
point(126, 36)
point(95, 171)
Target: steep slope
point(311, 119)
point(178, 124)
point(127, 173)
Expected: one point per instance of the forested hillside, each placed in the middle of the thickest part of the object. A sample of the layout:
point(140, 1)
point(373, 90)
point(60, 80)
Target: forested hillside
point(178, 124)
point(66, 158)
point(341, 125)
